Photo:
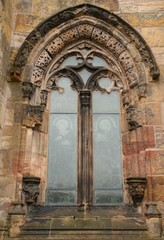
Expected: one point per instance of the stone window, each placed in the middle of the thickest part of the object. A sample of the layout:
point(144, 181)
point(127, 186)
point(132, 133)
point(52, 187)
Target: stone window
point(84, 134)
point(77, 67)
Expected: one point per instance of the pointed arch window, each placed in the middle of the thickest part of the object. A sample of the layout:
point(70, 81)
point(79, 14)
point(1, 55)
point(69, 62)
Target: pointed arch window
point(84, 134)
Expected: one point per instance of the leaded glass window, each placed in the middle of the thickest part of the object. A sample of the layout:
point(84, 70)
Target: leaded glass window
point(84, 133)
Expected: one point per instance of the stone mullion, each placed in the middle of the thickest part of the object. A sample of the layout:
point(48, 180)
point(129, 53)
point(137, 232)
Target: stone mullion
point(85, 183)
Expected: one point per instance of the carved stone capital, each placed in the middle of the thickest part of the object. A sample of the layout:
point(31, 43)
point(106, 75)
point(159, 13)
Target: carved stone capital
point(30, 189)
point(136, 188)
point(85, 99)
point(28, 89)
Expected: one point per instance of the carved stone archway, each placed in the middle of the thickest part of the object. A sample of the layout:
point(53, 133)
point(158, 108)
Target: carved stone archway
point(87, 22)
point(132, 64)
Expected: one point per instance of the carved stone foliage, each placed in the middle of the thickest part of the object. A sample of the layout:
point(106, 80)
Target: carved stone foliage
point(33, 115)
point(21, 60)
point(87, 31)
point(136, 188)
point(43, 97)
point(30, 189)
point(85, 99)
point(102, 35)
point(43, 60)
point(132, 117)
point(28, 89)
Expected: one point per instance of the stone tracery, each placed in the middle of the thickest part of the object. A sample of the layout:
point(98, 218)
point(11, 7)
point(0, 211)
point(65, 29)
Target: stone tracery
point(108, 30)
point(122, 47)
point(39, 62)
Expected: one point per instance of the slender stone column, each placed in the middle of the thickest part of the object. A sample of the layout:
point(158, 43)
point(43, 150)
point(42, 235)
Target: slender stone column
point(85, 176)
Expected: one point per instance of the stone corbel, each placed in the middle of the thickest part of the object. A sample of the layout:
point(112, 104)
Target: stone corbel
point(30, 189)
point(136, 189)
point(33, 116)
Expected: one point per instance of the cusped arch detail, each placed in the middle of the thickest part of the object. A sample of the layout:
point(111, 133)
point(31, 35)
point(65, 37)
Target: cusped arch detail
point(84, 24)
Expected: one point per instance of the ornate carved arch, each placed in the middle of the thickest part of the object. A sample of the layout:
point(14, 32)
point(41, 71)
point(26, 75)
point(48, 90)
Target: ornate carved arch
point(87, 22)
point(131, 60)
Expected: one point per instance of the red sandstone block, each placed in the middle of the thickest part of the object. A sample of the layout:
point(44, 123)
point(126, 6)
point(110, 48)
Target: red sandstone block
point(155, 188)
point(138, 140)
point(142, 163)
point(149, 136)
point(14, 162)
point(155, 162)
point(159, 136)
point(130, 165)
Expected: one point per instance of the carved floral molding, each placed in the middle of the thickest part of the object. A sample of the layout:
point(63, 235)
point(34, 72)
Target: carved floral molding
point(101, 26)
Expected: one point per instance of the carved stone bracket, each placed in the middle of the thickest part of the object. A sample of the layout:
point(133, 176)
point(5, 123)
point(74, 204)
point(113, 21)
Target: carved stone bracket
point(30, 189)
point(33, 116)
point(136, 188)
point(28, 89)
